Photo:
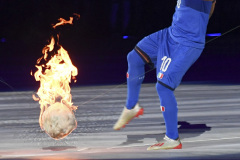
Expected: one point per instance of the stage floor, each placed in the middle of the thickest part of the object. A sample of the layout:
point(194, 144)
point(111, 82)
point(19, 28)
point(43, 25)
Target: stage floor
point(209, 125)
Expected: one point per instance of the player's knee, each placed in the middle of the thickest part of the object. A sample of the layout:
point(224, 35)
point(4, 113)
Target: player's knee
point(162, 90)
point(167, 98)
point(134, 59)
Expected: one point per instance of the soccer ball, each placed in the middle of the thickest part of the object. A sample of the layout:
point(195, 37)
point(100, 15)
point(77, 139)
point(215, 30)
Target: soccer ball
point(58, 121)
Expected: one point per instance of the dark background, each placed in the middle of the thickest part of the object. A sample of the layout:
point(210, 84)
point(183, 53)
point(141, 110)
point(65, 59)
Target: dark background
point(95, 42)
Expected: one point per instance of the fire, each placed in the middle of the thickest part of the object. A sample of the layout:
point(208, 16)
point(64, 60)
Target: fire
point(63, 21)
point(55, 71)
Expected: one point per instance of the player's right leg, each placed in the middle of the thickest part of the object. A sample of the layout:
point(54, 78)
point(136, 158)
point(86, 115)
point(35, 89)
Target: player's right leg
point(144, 53)
point(135, 76)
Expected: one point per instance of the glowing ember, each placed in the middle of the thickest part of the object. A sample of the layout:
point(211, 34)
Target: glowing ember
point(55, 71)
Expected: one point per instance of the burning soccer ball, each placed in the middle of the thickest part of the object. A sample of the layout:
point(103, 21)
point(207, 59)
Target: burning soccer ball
point(58, 121)
point(55, 71)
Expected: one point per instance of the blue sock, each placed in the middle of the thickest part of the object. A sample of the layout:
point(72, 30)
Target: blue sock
point(169, 109)
point(135, 76)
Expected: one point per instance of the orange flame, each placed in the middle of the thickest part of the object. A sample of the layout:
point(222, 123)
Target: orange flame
point(63, 21)
point(55, 76)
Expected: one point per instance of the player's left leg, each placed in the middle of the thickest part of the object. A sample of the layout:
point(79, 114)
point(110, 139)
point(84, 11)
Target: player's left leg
point(172, 65)
point(169, 109)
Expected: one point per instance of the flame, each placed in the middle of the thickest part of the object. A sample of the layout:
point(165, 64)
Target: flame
point(54, 75)
point(63, 21)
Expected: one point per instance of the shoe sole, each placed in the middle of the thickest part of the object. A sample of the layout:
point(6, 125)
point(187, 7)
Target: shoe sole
point(177, 147)
point(139, 113)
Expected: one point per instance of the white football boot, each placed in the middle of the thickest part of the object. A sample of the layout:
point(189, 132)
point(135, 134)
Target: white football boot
point(127, 115)
point(166, 143)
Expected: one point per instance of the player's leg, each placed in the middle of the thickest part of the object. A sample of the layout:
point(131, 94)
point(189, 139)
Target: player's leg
point(144, 53)
point(135, 76)
point(168, 105)
point(169, 109)
point(171, 67)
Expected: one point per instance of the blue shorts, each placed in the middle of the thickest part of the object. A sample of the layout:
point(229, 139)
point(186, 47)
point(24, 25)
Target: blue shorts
point(171, 59)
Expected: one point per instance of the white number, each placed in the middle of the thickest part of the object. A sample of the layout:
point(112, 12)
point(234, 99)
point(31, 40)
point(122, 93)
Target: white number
point(179, 3)
point(165, 63)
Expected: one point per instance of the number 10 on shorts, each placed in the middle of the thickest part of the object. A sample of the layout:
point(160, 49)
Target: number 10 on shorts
point(165, 63)
point(164, 66)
